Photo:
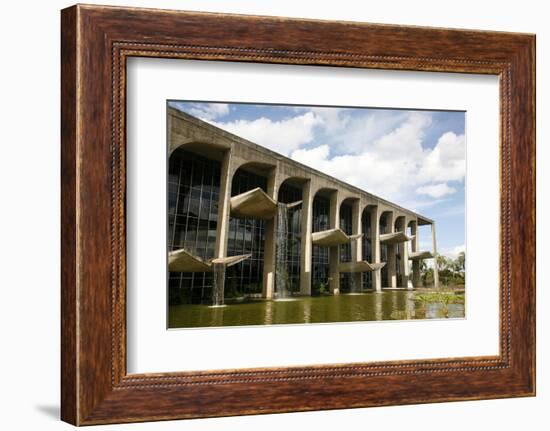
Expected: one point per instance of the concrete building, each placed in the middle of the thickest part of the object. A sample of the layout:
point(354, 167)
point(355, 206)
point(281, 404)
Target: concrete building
point(246, 221)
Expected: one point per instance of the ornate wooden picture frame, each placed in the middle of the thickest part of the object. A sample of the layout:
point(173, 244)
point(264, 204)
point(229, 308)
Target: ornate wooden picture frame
point(96, 42)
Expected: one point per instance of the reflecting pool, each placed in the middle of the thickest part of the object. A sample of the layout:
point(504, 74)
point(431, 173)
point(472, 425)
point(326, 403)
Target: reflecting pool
point(387, 305)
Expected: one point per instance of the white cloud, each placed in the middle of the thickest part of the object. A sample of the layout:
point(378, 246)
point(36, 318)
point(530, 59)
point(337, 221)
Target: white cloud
point(387, 166)
point(447, 161)
point(406, 140)
point(282, 136)
point(380, 151)
point(395, 166)
point(208, 111)
point(453, 252)
point(368, 170)
point(349, 134)
point(436, 190)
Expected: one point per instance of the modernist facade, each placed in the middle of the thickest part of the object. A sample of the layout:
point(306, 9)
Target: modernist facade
point(246, 221)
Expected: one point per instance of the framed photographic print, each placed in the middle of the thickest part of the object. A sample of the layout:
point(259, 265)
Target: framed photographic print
point(249, 205)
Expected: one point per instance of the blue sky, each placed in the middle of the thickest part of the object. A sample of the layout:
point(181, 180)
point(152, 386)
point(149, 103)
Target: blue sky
point(410, 157)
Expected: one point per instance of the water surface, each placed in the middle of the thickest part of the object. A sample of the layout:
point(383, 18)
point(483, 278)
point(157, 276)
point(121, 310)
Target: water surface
point(388, 305)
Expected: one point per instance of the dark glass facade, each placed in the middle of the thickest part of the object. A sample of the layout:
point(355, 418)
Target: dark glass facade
point(193, 195)
point(289, 194)
point(319, 255)
point(398, 258)
point(193, 198)
point(367, 247)
point(246, 236)
point(345, 249)
point(384, 228)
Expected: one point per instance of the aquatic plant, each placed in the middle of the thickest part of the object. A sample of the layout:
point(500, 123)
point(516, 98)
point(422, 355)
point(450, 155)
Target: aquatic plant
point(443, 297)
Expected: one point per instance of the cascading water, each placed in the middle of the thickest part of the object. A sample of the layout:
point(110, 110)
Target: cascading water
point(218, 284)
point(281, 270)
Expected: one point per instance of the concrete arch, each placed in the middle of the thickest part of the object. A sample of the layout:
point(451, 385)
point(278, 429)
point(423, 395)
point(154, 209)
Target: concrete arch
point(371, 241)
point(413, 226)
point(369, 230)
point(400, 223)
point(326, 191)
point(400, 250)
point(195, 136)
point(349, 221)
point(256, 167)
point(331, 195)
point(202, 148)
point(236, 154)
point(387, 252)
point(349, 200)
point(296, 182)
point(322, 189)
point(267, 171)
point(344, 196)
point(386, 219)
point(372, 208)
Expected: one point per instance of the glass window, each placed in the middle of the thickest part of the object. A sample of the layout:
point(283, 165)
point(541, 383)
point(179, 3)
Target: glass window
point(189, 226)
point(319, 256)
point(246, 236)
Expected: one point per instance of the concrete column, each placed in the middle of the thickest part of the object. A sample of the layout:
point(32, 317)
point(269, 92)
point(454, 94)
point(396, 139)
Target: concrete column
point(334, 253)
point(268, 285)
point(434, 246)
point(222, 227)
point(405, 274)
point(306, 246)
point(357, 245)
point(404, 267)
point(375, 247)
point(416, 276)
point(416, 279)
point(392, 261)
point(224, 206)
point(391, 264)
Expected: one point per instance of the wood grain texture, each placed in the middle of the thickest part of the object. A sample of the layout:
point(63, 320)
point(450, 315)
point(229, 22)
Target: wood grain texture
point(96, 41)
point(69, 398)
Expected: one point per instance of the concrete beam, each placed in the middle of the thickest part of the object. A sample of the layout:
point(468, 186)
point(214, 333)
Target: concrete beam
point(360, 267)
point(255, 204)
point(420, 255)
point(183, 261)
point(332, 238)
point(394, 238)
point(231, 260)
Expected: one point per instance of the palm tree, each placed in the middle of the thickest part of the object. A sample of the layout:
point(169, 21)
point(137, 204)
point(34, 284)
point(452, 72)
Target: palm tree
point(461, 261)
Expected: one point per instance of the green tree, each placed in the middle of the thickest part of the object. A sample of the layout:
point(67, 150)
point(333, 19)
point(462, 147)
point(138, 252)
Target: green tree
point(451, 271)
point(461, 261)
